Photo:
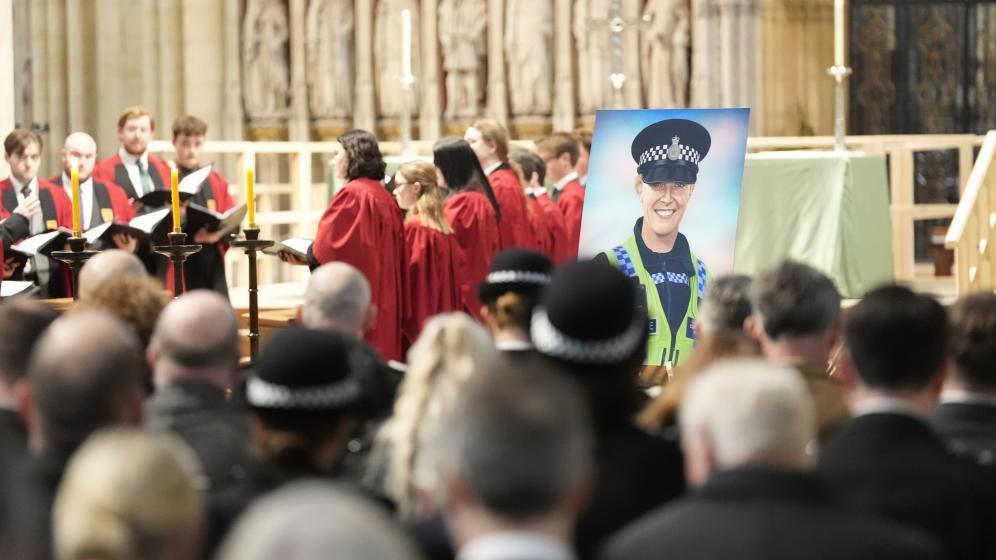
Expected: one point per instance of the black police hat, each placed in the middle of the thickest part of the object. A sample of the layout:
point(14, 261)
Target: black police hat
point(670, 150)
point(518, 270)
point(588, 318)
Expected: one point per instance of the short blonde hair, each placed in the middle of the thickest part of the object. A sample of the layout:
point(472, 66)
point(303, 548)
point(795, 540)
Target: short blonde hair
point(135, 112)
point(492, 131)
point(129, 494)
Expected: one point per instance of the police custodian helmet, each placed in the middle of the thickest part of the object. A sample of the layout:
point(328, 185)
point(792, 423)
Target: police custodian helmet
point(670, 150)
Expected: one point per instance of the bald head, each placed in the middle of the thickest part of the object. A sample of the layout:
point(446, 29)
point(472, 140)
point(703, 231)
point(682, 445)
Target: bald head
point(113, 263)
point(196, 339)
point(86, 374)
point(337, 298)
point(79, 148)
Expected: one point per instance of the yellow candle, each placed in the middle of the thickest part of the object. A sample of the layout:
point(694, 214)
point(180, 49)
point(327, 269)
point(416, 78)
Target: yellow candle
point(74, 178)
point(250, 196)
point(174, 184)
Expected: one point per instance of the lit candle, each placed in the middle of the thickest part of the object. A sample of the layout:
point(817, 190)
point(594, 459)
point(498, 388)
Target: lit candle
point(406, 44)
point(839, 35)
point(250, 195)
point(74, 180)
point(174, 185)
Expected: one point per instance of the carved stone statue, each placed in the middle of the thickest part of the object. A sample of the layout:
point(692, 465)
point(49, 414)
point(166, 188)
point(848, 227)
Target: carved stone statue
point(664, 53)
point(329, 36)
point(265, 59)
point(461, 35)
point(528, 37)
point(591, 35)
point(387, 55)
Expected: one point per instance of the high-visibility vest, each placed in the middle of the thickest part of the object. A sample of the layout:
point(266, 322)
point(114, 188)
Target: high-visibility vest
point(660, 351)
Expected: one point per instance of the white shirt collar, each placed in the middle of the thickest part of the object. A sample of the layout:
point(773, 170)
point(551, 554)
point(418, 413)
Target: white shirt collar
point(19, 185)
point(572, 176)
point(515, 544)
point(86, 198)
point(491, 168)
point(891, 405)
point(967, 397)
point(129, 159)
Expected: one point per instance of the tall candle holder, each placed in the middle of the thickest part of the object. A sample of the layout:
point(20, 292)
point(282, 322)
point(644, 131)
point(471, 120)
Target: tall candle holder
point(75, 257)
point(840, 74)
point(177, 252)
point(251, 244)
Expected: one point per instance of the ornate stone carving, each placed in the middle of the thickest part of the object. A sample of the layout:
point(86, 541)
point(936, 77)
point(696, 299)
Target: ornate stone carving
point(664, 53)
point(330, 58)
point(875, 93)
point(265, 59)
point(591, 39)
point(461, 35)
point(528, 49)
point(387, 55)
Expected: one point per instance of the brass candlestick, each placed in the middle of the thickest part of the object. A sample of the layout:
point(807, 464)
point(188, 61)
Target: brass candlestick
point(177, 252)
point(251, 244)
point(75, 257)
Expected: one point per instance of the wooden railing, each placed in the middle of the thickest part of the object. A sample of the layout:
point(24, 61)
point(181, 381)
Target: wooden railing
point(973, 229)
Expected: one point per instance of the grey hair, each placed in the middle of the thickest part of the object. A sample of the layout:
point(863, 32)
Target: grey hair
point(112, 263)
point(314, 520)
point(726, 304)
point(794, 299)
point(751, 411)
point(337, 296)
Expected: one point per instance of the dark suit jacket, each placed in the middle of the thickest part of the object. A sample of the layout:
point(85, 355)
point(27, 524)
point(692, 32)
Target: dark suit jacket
point(29, 509)
point(893, 465)
point(969, 430)
point(765, 515)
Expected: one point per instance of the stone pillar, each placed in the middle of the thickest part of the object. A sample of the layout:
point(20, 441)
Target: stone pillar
point(21, 46)
point(430, 109)
point(6, 73)
point(364, 108)
point(108, 46)
point(497, 88)
point(203, 63)
point(633, 87)
point(148, 94)
point(39, 81)
point(172, 39)
point(55, 93)
point(299, 124)
point(563, 48)
point(233, 120)
point(76, 67)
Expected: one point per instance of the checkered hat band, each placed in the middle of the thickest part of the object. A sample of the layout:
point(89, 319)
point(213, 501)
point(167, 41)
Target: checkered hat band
point(264, 394)
point(549, 340)
point(518, 276)
point(658, 153)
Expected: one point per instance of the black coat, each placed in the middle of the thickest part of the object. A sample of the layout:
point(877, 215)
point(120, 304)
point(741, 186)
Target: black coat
point(765, 515)
point(969, 429)
point(893, 465)
point(32, 491)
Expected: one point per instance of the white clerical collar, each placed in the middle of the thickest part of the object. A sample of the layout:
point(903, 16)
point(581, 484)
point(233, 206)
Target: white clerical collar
point(515, 544)
point(967, 397)
point(889, 405)
point(491, 168)
point(572, 176)
point(130, 159)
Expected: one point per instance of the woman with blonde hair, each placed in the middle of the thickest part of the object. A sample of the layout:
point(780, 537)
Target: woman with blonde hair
point(509, 294)
point(129, 494)
point(430, 284)
point(489, 140)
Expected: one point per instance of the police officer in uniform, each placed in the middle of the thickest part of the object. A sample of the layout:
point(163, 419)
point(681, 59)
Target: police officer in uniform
point(657, 257)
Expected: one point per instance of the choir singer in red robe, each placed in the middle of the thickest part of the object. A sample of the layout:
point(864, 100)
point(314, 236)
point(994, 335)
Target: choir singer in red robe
point(363, 226)
point(560, 153)
point(433, 255)
point(489, 140)
point(472, 211)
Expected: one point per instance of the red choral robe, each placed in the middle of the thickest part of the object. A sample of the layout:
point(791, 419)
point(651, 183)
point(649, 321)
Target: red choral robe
point(206, 269)
point(57, 209)
point(107, 196)
point(559, 250)
point(571, 203)
point(113, 170)
point(363, 226)
point(513, 226)
point(431, 276)
point(539, 230)
point(475, 227)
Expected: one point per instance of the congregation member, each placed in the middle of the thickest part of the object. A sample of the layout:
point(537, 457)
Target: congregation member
point(746, 426)
point(434, 261)
point(515, 466)
point(105, 265)
point(194, 356)
point(489, 140)
point(206, 268)
point(539, 231)
point(551, 227)
point(363, 226)
point(472, 211)
point(509, 294)
point(584, 137)
point(85, 374)
point(797, 321)
point(559, 152)
point(589, 327)
point(966, 414)
point(130, 494)
point(133, 168)
point(886, 460)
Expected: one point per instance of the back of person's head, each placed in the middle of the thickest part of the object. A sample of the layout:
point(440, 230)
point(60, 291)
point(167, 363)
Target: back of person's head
point(526, 163)
point(21, 325)
point(510, 290)
point(897, 339)
point(559, 143)
point(315, 520)
point(105, 265)
point(130, 494)
point(743, 413)
point(973, 341)
point(451, 349)
point(794, 300)
point(136, 300)
point(196, 339)
point(365, 159)
point(337, 299)
point(726, 305)
point(460, 168)
point(86, 373)
point(518, 443)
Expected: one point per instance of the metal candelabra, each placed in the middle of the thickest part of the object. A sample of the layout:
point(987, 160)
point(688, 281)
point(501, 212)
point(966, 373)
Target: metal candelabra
point(251, 244)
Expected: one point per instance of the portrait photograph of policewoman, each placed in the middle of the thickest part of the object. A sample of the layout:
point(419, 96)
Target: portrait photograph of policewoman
point(661, 205)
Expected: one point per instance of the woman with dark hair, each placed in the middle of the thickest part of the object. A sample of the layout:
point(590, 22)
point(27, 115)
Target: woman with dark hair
point(471, 210)
point(363, 226)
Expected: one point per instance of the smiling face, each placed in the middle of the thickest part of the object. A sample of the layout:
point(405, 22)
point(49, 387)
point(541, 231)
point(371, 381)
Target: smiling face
point(24, 166)
point(136, 134)
point(664, 207)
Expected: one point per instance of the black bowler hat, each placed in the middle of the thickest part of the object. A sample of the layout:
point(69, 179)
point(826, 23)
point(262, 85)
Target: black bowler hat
point(304, 371)
point(588, 318)
point(518, 270)
point(670, 150)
